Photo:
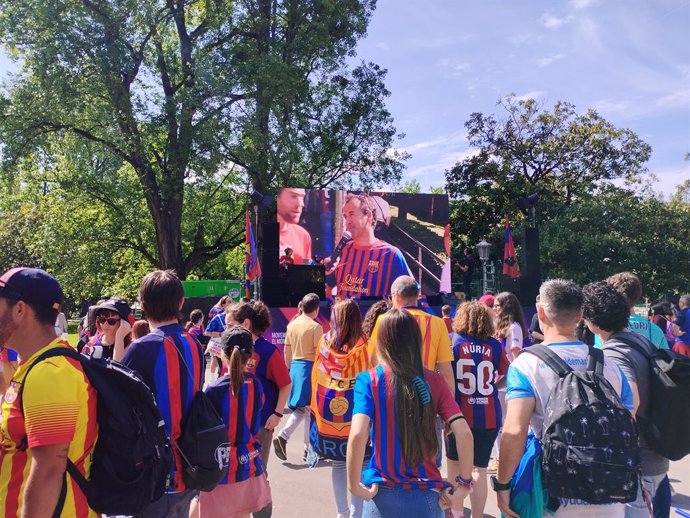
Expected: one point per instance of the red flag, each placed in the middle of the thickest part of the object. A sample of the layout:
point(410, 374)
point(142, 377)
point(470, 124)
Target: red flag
point(510, 264)
point(252, 267)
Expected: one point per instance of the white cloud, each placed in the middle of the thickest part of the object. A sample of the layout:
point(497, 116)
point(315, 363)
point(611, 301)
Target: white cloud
point(590, 35)
point(551, 21)
point(677, 99)
point(445, 161)
point(546, 61)
point(611, 106)
point(439, 144)
point(519, 39)
point(437, 42)
point(581, 4)
point(534, 94)
point(668, 179)
point(382, 45)
point(456, 68)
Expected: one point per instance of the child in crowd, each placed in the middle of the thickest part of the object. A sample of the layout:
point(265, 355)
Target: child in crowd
point(238, 398)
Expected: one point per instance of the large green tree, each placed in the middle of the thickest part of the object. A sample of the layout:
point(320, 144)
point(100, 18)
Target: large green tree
point(560, 154)
point(620, 230)
point(182, 105)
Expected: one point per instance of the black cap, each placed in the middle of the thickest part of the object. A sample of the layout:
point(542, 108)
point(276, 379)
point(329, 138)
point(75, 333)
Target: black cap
point(119, 306)
point(32, 285)
point(237, 336)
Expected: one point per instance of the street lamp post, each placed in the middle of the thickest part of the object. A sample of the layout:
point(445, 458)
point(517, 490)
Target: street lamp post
point(483, 247)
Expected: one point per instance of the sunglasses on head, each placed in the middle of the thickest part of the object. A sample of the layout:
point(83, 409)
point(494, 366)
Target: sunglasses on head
point(110, 321)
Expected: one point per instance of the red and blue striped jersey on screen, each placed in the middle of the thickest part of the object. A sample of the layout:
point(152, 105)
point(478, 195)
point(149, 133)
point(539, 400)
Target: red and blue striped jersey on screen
point(366, 271)
point(241, 415)
point(156, 357)
point(476, 364)
point(374, 397)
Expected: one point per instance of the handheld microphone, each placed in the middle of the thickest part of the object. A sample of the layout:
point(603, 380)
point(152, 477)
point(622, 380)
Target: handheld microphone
point(344, 239)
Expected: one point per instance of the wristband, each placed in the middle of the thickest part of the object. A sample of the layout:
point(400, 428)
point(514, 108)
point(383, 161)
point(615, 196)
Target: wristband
point(464, 482)
point(278, 414)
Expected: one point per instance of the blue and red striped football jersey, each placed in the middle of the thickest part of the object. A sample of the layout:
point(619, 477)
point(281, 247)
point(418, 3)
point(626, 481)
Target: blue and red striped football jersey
point(156, 357)
point(241, 415)
point(374, 397)
point(369, 271)
point(476, 365)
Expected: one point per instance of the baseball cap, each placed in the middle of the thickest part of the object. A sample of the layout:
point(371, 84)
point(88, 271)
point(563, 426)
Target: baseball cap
point(119, 306)
point(32, 285)
point(240, 337)
point(487, 300)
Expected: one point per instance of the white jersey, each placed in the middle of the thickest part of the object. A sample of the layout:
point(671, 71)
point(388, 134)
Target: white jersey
point(528, 376)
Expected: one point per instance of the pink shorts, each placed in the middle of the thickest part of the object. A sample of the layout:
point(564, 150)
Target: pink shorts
point(237, 499)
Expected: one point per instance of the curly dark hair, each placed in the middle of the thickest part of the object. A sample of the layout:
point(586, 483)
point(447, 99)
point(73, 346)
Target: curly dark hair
point(605, 307)
point(375, 311)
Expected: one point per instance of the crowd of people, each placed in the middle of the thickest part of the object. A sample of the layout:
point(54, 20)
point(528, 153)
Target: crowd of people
point(381, 397)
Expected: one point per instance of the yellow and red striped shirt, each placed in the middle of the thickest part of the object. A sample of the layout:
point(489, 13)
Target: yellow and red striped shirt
point(436, 346)
point(59, 406)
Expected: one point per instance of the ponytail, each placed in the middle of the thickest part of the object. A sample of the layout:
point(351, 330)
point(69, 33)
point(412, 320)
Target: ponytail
point(238, 347)
point(236, 370)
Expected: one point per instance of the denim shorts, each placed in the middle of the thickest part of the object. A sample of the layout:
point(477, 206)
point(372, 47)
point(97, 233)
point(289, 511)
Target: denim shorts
point(394, 502)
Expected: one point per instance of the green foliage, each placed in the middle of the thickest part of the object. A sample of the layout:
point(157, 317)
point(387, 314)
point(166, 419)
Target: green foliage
point(590, 228)
point(615, 231)
point(164, 113)
point(559, 154)
point(411, 187)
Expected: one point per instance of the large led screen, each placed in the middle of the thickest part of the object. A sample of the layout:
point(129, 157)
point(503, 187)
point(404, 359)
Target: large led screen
point(366, 240)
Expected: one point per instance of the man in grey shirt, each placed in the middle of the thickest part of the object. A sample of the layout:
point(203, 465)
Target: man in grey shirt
point(606, 314)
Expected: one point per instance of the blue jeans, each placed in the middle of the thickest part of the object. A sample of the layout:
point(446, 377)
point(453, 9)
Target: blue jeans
point(638, 508)
point(339, 479)
point(403, 503)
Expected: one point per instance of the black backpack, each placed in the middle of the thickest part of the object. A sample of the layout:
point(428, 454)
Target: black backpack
point(589, 439)
point(203, 444)
point(666, 427)
point(132, 458)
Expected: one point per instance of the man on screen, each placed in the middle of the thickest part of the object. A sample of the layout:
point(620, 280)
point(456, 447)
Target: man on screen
point(368, 265)
point(292, 235)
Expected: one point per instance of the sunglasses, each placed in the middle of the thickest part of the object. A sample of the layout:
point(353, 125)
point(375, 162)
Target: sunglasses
point(110, 321)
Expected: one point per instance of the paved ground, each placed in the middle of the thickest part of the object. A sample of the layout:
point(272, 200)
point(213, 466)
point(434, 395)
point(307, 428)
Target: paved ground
point(300, 492)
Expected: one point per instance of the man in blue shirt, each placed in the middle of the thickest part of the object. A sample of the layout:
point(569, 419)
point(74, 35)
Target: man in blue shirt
point(630, 286)
point(529, 385)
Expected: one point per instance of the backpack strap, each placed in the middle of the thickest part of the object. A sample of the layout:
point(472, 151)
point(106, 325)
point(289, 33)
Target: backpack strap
point(550, 358)
point(595, 360)
point(71, 468)
point(189, 371)
point(621, 337)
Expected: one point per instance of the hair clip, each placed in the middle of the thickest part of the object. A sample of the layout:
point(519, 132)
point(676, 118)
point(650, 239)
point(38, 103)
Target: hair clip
point(422, 389)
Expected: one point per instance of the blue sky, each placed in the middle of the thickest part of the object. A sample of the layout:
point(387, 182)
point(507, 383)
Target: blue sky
point(628, 59)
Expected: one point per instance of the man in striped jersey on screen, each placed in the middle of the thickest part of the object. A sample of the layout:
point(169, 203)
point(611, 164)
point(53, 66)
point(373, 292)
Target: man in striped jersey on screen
point(368, 265)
